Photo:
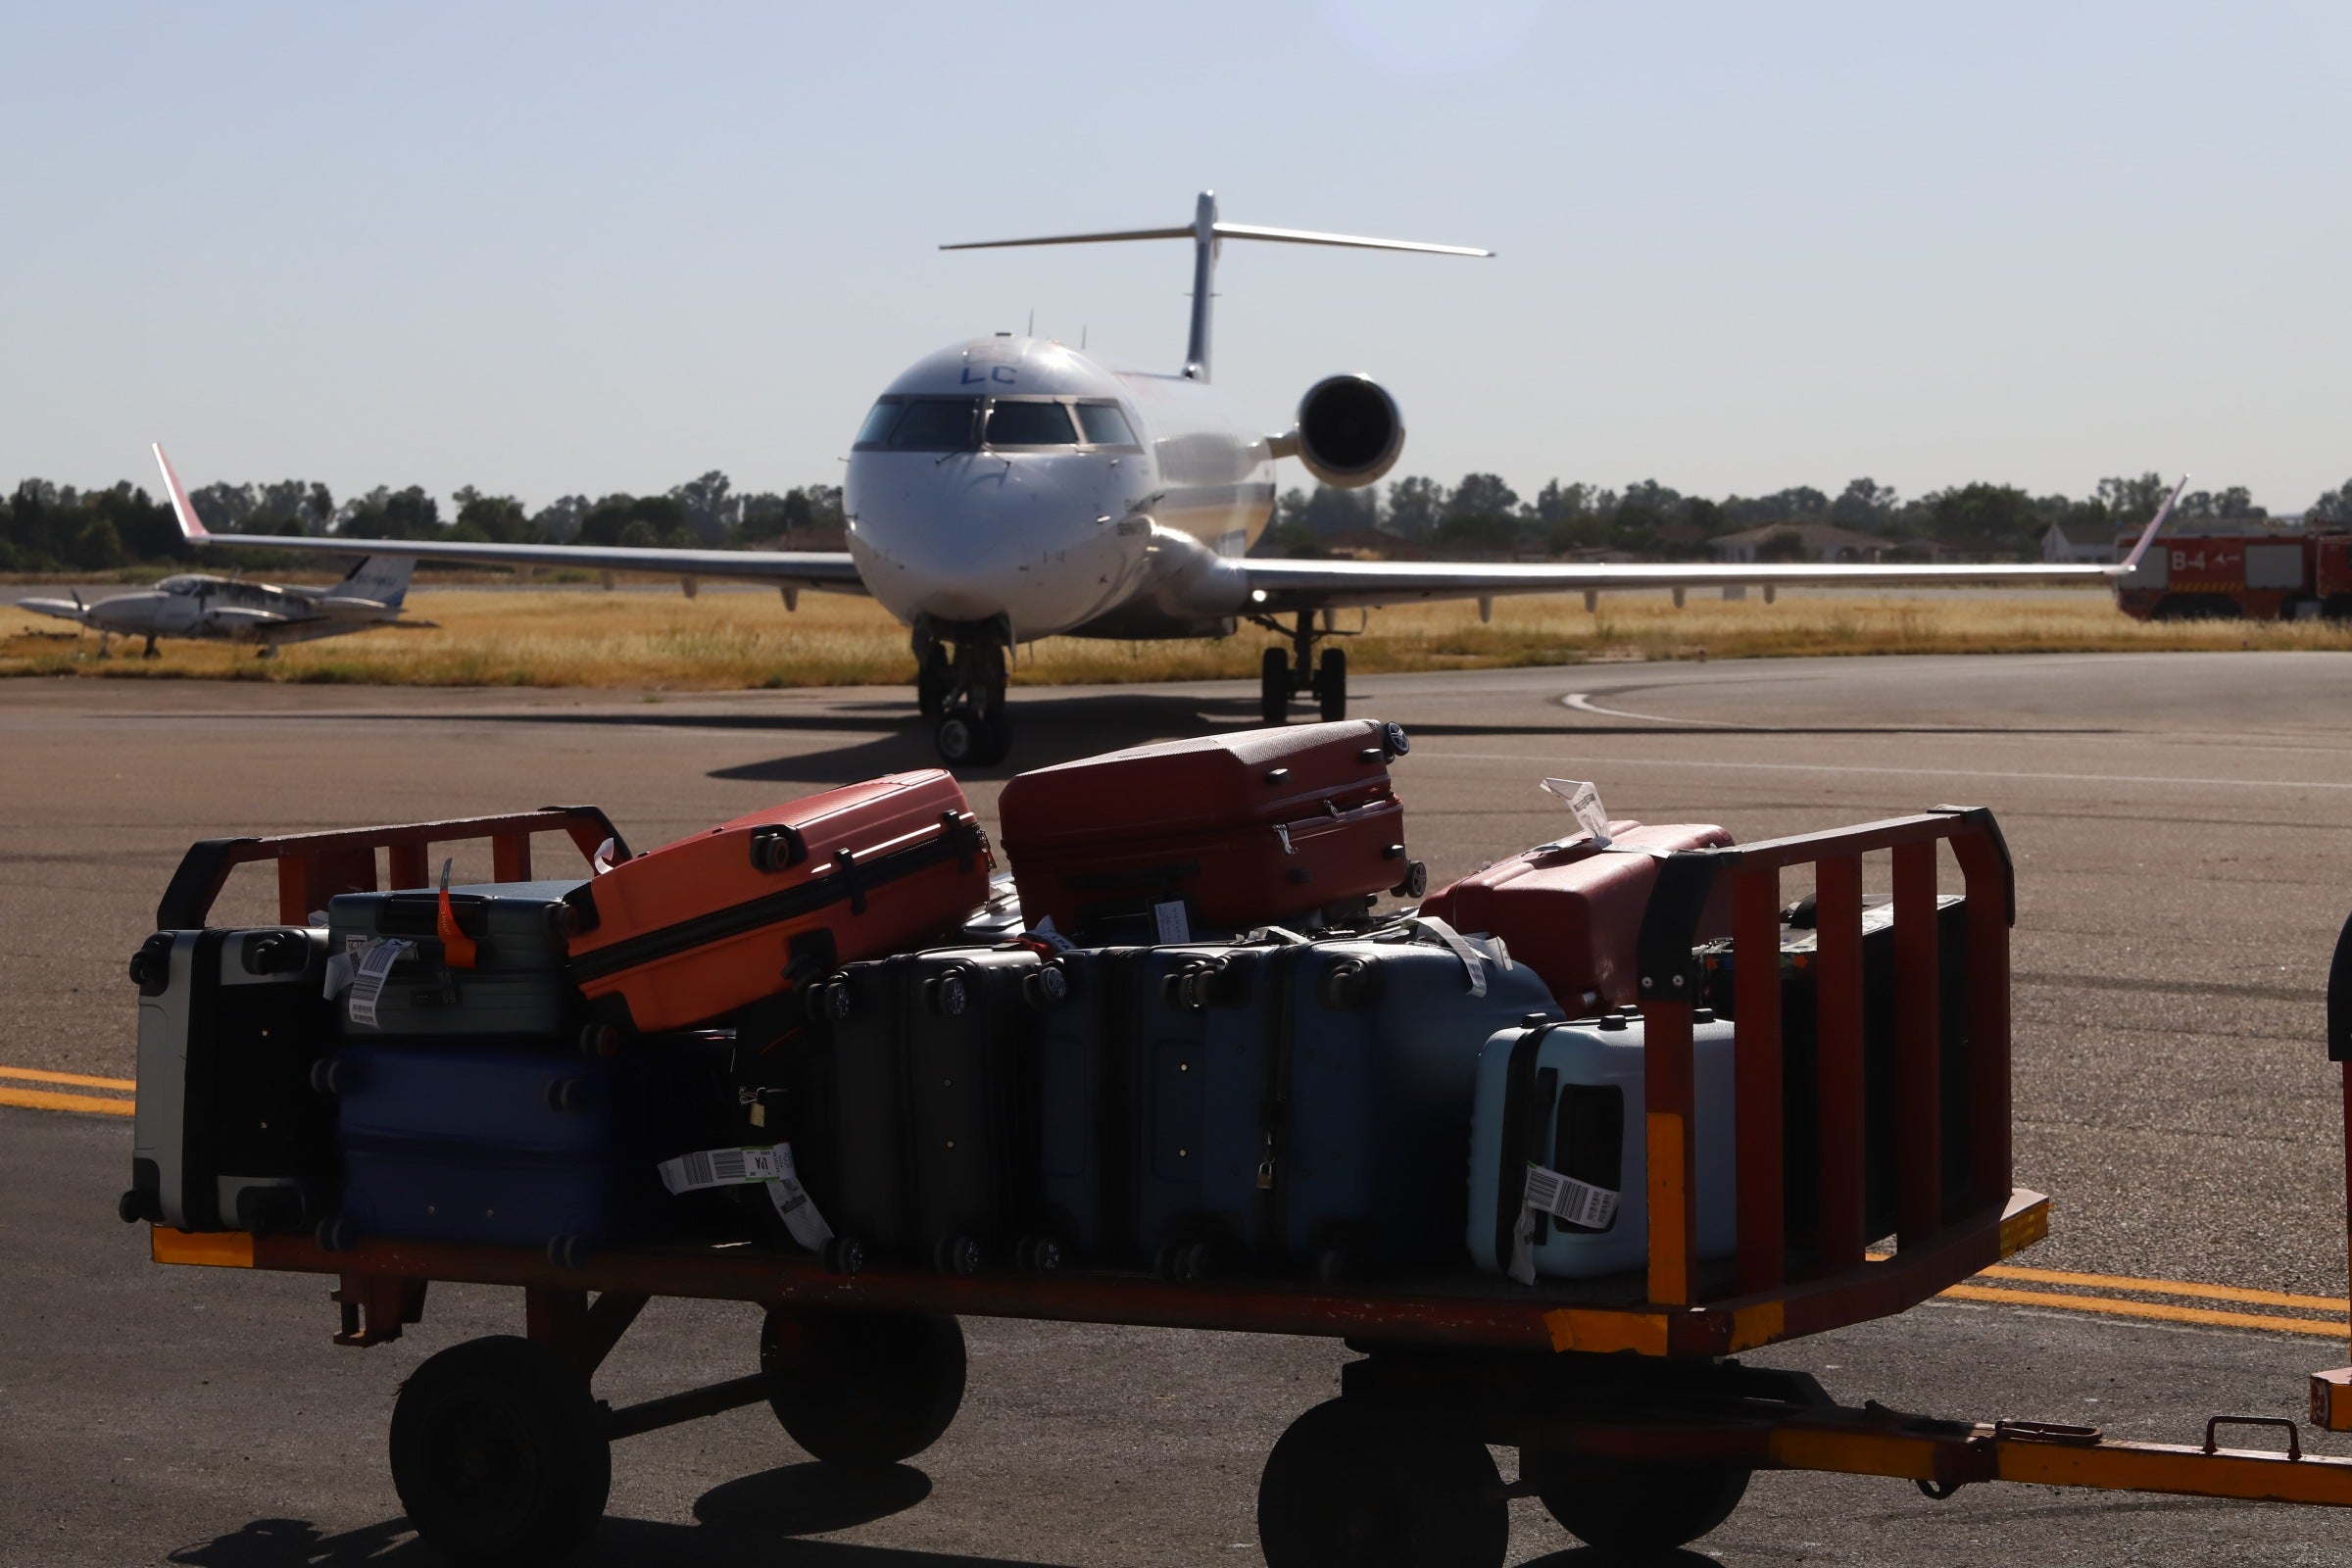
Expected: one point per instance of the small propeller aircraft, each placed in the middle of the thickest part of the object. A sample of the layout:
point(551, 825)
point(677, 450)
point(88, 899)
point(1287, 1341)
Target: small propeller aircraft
point(229, 609)
point(1010, 488)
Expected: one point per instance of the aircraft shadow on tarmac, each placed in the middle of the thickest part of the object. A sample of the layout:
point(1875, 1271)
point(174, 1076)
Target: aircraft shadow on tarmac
point(756, 1519)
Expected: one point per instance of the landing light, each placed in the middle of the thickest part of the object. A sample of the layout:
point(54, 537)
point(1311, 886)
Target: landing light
point(1257, 596)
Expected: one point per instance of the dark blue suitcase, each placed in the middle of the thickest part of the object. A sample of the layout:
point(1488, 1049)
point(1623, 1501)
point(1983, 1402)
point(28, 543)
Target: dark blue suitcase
point(1337, 1097)
point(1121, 1066)
point(440, 1142)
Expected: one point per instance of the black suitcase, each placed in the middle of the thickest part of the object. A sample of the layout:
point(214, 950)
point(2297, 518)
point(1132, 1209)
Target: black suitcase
point(1800, 1041)
point(516, 985)
point(230, 1135)
point(919, 1134)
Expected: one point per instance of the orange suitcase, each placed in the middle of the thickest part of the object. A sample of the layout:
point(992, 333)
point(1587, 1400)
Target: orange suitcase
point(701, 927)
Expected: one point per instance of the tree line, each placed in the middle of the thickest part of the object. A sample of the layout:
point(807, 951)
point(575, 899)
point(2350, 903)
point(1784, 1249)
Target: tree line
point(1483, 516)
point(52, 527)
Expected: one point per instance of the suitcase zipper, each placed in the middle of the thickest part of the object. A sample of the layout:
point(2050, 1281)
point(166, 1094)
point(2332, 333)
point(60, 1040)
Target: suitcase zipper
point(1118, 1105)
point(852, 880)
point(1274, 1108)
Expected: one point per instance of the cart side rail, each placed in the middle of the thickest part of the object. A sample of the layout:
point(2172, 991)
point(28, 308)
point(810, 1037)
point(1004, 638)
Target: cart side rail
point(312, 867)
point(1749, 877)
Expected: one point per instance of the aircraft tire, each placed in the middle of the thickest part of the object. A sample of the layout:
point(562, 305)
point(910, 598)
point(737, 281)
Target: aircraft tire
point(1274, 687)
point(967, 739)
point(1330, 684)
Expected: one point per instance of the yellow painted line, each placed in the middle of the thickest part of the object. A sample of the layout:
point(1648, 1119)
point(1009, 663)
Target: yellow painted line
point(2124, 1281)
point(41, 1075)
point(46, 1099)
point(2160, 1311)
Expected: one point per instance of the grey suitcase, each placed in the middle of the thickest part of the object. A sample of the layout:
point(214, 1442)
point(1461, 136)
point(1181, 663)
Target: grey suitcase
point(1335, 1106)
point(518, 986)
point(229, 1133)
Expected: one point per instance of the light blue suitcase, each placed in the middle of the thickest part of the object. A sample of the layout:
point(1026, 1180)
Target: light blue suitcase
point(1339, 1084)
point(1568, 1098)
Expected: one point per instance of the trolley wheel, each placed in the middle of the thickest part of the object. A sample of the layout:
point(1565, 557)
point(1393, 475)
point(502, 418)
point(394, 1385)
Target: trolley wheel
point(862, 1389)
point(1037, 1255)
point(1330, 684)
point(499, 1453)
point(1274, 687)
point(1360, 1483)
point(1635, 1506)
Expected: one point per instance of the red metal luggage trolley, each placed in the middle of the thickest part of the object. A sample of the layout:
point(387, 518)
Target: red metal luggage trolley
point(1633, 1424)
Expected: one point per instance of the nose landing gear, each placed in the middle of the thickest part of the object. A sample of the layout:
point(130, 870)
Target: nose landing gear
point(960, 681)
point(1282, 676)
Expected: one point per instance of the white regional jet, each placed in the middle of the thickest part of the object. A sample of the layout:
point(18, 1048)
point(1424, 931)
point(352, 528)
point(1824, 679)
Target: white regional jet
point(228, 609)
point(1012, 488)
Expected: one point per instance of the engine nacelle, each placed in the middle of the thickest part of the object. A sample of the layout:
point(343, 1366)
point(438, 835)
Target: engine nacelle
point(1349, 431)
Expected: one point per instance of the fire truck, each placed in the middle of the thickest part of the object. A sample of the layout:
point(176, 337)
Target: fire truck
point(2278, 577)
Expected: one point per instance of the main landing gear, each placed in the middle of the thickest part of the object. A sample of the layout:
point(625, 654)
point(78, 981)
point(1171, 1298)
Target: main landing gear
point(959, 684)
point(1282, 676)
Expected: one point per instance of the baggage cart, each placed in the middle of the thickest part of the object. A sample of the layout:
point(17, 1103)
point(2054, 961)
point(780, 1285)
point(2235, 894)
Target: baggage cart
point(1634, 1421)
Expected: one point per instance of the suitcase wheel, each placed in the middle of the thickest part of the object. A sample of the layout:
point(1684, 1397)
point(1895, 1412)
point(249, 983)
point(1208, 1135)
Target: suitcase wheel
point(1415, 882)
point(1347, 985)
point(946, 995)
point(1050, 986)
point(830, 1000)
point(841, 1254)
point(600, 1040)
point(956, 1254)
point(333, 1075)
point(1037, 1255)
point(568, 1251)
point(567, 1095)
point(336, 1234)
point(139, 1204)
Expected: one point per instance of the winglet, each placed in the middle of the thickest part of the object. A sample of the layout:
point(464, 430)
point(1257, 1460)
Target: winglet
point(2148, 535)
point(191, 526)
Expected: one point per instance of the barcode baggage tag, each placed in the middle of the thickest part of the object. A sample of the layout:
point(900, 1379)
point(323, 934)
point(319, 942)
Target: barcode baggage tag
point(738, 1167)
point(1563, 1198)
point(375, 963)
point(1584, 801)
point(1168, 920)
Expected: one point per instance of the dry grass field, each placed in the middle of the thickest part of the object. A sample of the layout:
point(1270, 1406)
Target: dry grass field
point(737, 640)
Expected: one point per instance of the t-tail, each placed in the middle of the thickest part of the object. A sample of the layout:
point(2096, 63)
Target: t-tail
point(1205, 231)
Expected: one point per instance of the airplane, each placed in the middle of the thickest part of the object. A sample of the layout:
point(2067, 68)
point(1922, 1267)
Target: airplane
point(194, 605)
point(1011, 488)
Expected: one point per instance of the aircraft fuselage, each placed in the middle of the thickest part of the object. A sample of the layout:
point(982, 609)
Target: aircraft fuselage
point(1017, 477)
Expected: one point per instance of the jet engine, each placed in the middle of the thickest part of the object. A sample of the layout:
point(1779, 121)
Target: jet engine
point(1349, 431)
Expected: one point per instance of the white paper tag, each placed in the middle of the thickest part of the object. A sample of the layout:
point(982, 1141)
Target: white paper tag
point(1584, 800)
point(341, 969)
point(1168, 920)
point(601, 860)
point(1566, 1198)
point(1521, 1266)
point(375, 963)
point(1474, 953)
point(705, 1168)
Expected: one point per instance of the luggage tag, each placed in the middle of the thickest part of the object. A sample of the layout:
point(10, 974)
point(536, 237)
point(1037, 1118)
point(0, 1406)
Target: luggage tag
point(373, 964)
point(458, 949)
point(1476, 953)
point(740, 1167)
point(1562, 1198)
point(1043, 936)
point(601, 860)
point(1584, 803)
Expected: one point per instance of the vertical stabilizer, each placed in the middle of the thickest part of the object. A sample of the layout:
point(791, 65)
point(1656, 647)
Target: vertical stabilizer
point(381, 578)
point(1204, 278)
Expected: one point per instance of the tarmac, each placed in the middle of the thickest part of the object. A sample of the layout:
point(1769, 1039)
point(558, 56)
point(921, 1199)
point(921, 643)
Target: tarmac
point(2178, 823)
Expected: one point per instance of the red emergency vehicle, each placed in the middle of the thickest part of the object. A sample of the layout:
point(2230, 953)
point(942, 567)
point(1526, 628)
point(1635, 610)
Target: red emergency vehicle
point(2281, 576)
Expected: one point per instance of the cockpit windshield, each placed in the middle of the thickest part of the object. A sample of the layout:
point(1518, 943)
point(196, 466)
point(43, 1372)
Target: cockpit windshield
point(921, 425)
point(1030, 424)
point(1105, 425)
point(182, 586)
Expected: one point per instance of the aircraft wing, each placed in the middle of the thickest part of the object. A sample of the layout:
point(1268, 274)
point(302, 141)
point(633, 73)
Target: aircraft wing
point(800, 569)
point(1291, 585)
point(231, 617)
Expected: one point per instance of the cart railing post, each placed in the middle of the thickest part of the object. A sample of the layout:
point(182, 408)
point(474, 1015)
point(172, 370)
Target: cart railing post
point(1837, 1062)
point(1919, 1046)
point(1757, 1068)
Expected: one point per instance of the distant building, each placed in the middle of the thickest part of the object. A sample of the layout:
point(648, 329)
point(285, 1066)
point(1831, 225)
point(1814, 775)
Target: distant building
point(2068, 543)
point(1815, 541)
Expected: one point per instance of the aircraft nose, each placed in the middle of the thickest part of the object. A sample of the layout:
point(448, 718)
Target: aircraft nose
point(989, 538)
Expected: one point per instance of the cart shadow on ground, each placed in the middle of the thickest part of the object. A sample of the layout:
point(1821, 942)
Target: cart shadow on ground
point(756, 1521)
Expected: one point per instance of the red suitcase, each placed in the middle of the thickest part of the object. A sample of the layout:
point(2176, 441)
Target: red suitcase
point(1261, 825)
point(694, 929)
point(1572, 912)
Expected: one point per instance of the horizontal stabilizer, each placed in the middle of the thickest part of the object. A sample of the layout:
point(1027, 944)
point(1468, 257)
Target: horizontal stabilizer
point(1222, 230)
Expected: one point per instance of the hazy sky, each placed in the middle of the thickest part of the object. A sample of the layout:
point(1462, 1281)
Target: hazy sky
point(588, 247)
